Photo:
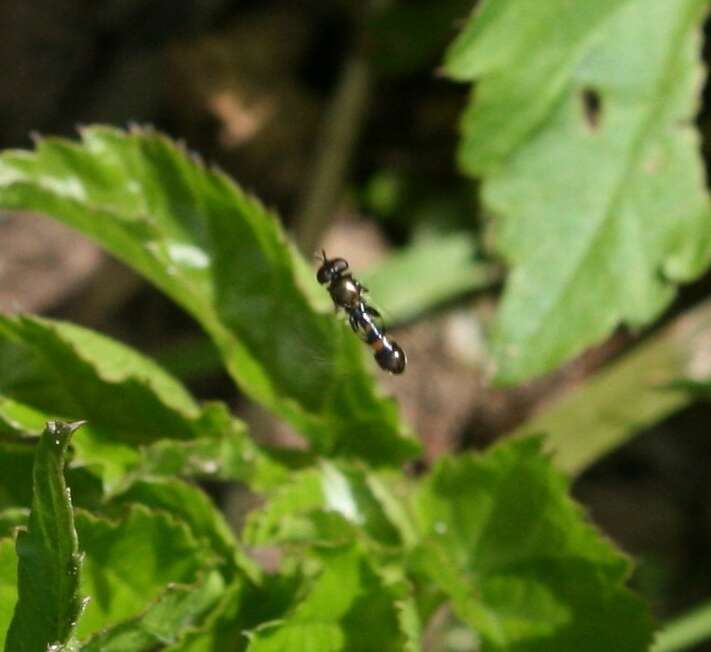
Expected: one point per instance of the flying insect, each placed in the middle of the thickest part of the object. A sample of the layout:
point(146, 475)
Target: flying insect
point(387, 352)
point(347, 293)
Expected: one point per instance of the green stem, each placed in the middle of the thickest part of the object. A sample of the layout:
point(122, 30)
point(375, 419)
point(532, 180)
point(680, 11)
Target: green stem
point(631, 394)
point(687, 630)
point(341, 128)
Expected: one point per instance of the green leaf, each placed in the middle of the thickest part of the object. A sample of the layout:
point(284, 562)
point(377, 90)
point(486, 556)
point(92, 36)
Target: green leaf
point(333, 502)
point(18, 419)
point(37, 350)
point(16, 461)
point(698, 389)
point(230, 456)
point(299, 637)
point(243, 607)
point(191, 506)
point(223, 451)
point(224, 259)
point(287, 515)
point(12, 518)
point(519, 562)
point(48, 603)
point(428, 273)
point(58, 368)
point(129, 563)
point(347, 607)
point(410, 625)
point(8, 586)
point(190, 358)
point(177, 610)
point(626, 398)
point(222, 629)
point(690, 629)
point(584, 140)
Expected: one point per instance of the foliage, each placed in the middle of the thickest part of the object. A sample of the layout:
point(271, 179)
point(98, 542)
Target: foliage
point(589, 162)
point(501, 530)
point(356, 537)
point(575, 154)
point(48, 592)
point(221, 256)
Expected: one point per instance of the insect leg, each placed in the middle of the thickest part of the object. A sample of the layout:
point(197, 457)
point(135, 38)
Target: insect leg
point(353, 320)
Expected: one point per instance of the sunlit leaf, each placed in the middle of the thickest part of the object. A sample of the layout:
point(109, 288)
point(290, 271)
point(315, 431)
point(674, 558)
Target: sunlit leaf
point(222, 630)
point(327, 502)
point(224, 258)
point(686, 632)
point(347, 603)
point(192, 507)
point(585, 143)
point(128, 563)
point(222, 451)
point(12, 518)
point(8, 586)
point(410, 625)
point(19, 419)
point(177, 610)
point(131, 404)
point(242, 608)
point(522, 567)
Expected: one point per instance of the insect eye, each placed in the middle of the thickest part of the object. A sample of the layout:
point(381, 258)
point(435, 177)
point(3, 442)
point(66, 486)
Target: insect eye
point(339, 265)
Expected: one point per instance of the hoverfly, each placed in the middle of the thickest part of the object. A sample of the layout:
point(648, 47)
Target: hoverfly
point(347, 293)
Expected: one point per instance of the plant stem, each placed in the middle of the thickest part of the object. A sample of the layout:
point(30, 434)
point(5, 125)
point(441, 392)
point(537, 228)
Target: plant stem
point(631, 394)
point(690, 629)
point(342, 124)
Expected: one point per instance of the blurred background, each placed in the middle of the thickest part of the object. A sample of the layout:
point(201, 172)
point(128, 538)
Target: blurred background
point(334, 115)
